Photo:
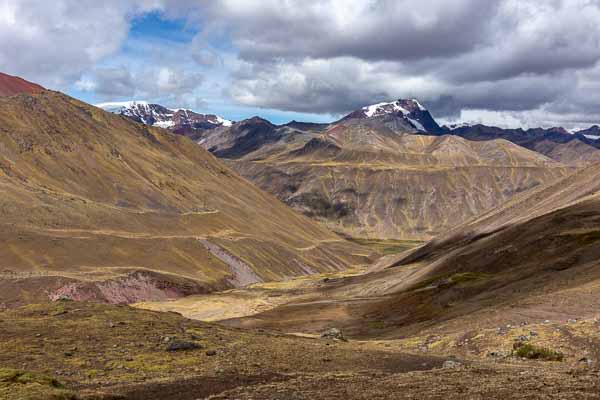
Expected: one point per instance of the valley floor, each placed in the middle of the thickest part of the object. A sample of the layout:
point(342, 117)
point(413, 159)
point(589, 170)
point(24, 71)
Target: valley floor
point(78, 350)
point(94, 351)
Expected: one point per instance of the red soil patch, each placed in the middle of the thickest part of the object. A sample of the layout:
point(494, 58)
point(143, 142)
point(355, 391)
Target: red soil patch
point(11, 85)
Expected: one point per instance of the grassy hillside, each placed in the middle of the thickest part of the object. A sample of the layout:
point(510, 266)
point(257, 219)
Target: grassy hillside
point(87, 196)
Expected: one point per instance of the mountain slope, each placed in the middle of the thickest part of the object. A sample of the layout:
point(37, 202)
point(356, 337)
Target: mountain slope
point(11, 85)
point(363, 178)
point(556, 143)
point(96, 206)
point(532, 261)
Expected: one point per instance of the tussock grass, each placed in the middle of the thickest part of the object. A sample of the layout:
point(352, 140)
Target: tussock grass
point(532, 352)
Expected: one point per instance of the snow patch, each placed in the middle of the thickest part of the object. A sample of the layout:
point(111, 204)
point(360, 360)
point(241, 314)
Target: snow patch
point(417, 124)
point(224, 122)
point(384, 108)
point(164, 124)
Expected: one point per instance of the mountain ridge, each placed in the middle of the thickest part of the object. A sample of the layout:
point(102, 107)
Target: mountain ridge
point(99, 207)
point(12, 85)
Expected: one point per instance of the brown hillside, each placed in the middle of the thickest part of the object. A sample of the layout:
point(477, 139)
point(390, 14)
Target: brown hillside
point(365, 180)
point(135, 212)
point(535, 259)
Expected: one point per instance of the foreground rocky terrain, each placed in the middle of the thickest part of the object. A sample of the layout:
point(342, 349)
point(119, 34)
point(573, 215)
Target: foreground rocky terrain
point(70, 350)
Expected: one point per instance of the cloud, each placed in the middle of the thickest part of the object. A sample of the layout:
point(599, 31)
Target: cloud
point(169, 84)
point(53, 42)
point(369, 30)
point(533, 60)
point(326, 56)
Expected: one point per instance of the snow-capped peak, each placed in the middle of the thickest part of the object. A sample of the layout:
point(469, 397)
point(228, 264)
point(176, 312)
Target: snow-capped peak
point(115, 106)
point(413, 113)
point(163, 117)
point(224, 122)
point(403, 106)
point(383, 108)
point(458, 125)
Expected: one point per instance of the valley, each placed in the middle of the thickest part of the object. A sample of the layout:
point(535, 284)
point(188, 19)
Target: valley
point(137, 265)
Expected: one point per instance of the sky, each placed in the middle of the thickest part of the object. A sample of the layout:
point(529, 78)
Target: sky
point(510, 63)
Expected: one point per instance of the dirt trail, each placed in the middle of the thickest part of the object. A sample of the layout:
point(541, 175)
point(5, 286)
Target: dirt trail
point(242, 273)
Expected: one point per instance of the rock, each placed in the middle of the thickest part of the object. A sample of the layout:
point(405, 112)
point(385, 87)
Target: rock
point(517, 344)
point(182, 346)
point(166, 339)
point(333, 333)
point(451, 364)
point(571, 321)
point(522, 338)
point(211, 353)
point(533, 333)
point(586, 360)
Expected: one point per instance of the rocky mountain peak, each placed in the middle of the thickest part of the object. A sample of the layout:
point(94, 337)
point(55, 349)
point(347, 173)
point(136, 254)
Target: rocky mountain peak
point(180, 120)
point(403, 114)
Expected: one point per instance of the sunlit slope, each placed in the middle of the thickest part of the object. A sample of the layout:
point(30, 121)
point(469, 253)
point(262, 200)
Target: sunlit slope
point(87, 194)
point(368, 181)
point(534, 259)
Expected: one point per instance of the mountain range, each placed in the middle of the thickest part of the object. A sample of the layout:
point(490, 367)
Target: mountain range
point(108, 220)
point(385, 171)
point(404, 115)
point(577, 148)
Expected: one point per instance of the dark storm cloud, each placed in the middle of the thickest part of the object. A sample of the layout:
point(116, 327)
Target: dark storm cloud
point(369, 30)
point(328, 57)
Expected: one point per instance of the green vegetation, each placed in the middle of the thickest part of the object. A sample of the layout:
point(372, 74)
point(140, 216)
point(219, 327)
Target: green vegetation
point(387, 246)
point(23, 385)
point(376, 324)
point(526, 350)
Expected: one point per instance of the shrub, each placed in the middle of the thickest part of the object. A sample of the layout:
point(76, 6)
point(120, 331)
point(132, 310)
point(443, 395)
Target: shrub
point(526, 350)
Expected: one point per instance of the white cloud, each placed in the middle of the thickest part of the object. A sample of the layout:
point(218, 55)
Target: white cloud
point(53, 42)
point(532, 60)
